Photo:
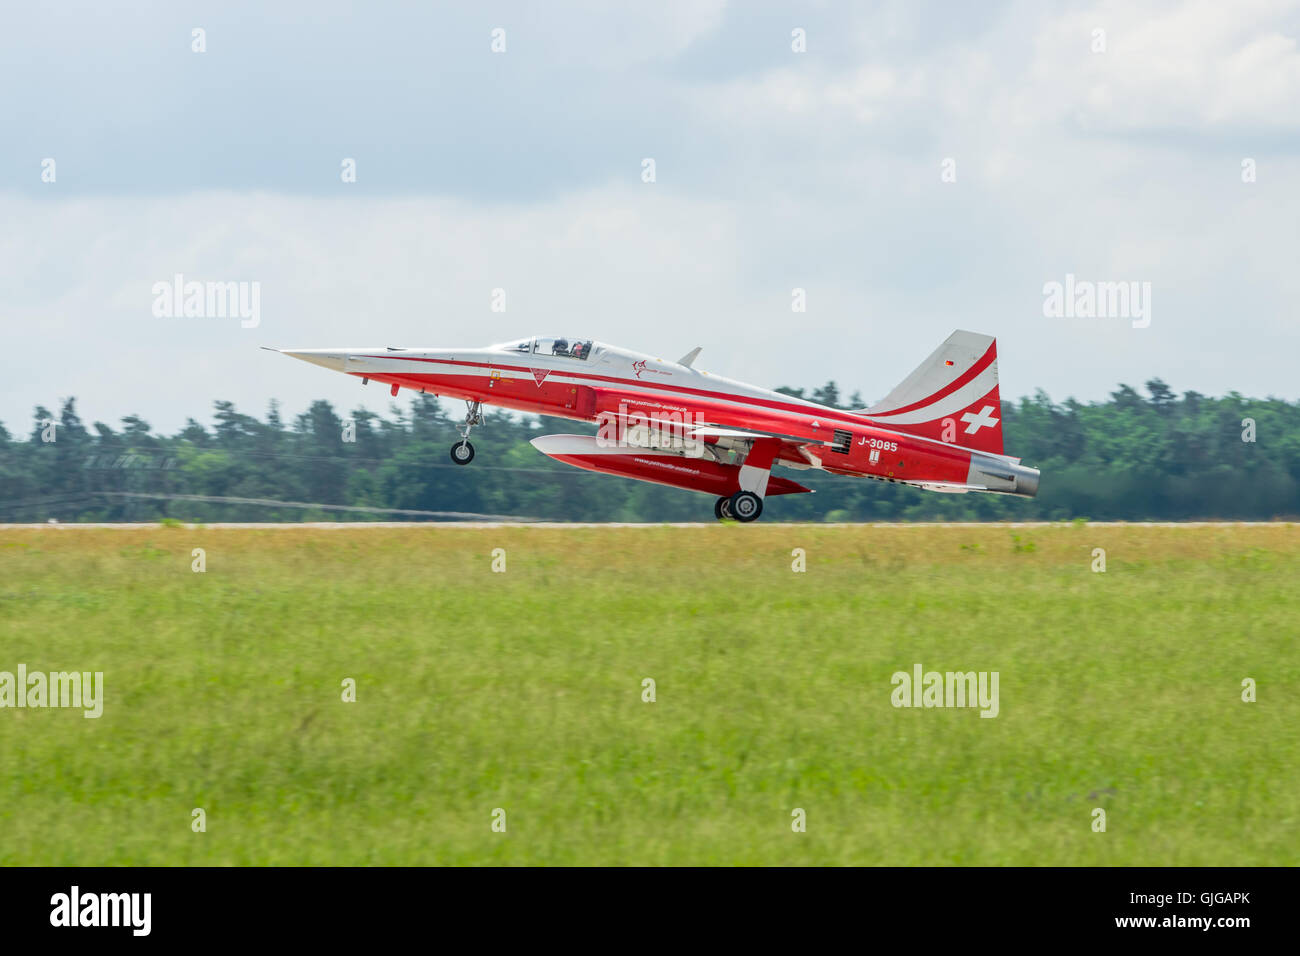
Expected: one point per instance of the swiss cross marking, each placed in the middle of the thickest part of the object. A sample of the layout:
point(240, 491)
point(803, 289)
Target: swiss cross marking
point(976, 422)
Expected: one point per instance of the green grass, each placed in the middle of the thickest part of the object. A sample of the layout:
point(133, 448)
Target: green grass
point(522, 690)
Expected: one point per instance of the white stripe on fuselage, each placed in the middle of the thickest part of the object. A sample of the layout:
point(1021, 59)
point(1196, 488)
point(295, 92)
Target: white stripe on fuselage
point(559, 371)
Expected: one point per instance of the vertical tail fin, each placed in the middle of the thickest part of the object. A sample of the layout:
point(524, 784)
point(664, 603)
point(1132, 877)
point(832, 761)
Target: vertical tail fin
point(952, 396)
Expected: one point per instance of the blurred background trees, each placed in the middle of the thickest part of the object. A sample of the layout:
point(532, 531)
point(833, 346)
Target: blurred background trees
point(1148, 455)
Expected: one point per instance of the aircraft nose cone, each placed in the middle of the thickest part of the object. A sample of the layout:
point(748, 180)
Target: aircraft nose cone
point(325, 358)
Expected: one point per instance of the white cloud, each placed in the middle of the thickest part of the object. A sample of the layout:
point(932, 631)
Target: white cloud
point(616, 36)
point(1202, 65)
point(637, 267)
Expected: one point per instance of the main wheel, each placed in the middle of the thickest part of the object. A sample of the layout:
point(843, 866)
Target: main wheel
point(722, 509)
point(462, 453)
point(745, 506)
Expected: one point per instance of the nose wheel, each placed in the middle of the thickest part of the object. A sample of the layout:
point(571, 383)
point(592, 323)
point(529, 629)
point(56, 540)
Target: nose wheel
point(462, 453)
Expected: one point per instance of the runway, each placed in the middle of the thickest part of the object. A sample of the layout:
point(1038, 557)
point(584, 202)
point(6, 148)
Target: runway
point(571, 525)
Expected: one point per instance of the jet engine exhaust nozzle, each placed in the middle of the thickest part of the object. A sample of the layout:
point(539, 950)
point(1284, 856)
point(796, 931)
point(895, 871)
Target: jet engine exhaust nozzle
point(1004, 476)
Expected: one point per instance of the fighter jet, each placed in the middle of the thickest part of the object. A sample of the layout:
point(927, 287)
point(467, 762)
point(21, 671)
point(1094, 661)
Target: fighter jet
point(673, 424)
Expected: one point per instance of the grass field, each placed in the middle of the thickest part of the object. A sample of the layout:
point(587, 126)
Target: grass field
point(522, 690)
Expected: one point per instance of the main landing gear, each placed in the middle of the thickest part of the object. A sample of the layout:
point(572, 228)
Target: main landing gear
point(742, 506)
point(462, 453)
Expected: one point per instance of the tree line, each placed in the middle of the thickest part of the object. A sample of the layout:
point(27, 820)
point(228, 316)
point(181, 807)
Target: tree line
point(1137, 456)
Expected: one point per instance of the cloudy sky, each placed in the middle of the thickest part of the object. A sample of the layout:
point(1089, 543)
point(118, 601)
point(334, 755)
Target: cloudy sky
point(1101, 140)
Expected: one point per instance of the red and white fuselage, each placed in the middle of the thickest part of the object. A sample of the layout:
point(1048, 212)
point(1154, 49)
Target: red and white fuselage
point(671, 423)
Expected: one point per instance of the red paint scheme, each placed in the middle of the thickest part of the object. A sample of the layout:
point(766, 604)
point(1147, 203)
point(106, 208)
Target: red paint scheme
point(914, 460)
point(939, 428)
point(693, 474)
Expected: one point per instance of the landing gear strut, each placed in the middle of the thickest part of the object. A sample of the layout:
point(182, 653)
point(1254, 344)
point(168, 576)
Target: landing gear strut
point(462, 453)
point(747, 503)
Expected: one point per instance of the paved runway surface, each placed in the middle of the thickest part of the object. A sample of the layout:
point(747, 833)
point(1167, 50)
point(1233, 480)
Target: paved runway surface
point(341, 525)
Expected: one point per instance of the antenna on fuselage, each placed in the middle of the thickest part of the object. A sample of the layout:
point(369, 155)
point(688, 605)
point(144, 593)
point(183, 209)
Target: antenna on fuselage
point(690, 356)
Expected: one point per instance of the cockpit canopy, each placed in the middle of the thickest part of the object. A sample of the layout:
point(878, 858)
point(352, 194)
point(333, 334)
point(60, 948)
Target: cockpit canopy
point(557, 345)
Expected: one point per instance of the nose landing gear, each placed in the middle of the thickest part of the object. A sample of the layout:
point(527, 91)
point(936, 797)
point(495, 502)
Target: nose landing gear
point(462, 453)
